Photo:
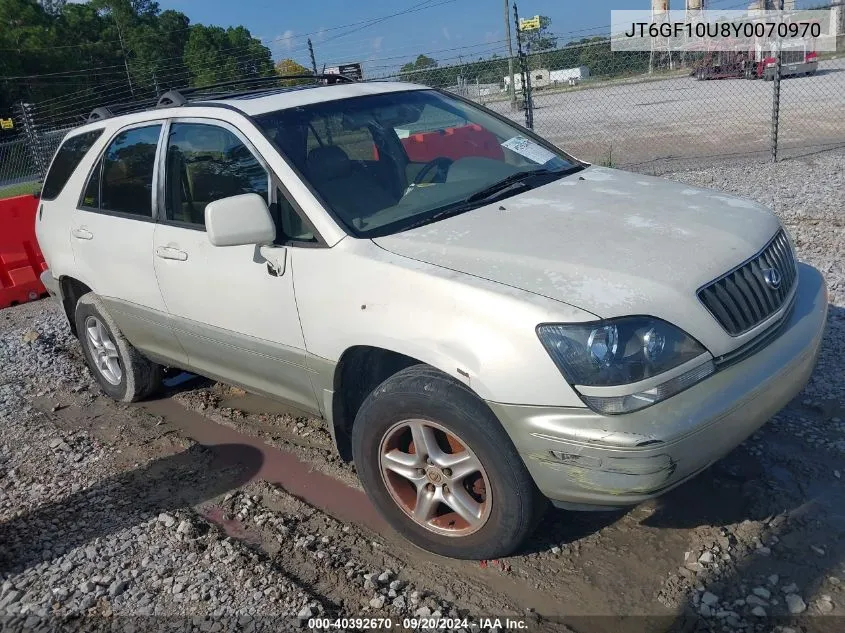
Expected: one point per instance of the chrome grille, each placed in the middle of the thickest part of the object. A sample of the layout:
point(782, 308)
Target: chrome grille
point(743, 298)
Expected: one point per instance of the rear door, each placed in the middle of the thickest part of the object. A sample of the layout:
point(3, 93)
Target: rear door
point(236, 320)
point(112, 238)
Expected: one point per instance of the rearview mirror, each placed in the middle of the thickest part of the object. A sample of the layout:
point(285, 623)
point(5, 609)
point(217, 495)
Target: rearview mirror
point(239, 220)
point(387, 116)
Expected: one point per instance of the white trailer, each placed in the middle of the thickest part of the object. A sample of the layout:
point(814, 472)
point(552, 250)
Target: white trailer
point(539, 79)
point(569, 75)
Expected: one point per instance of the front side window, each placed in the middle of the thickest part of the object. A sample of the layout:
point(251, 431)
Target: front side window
point(67, 159)
point(126, 179)
point(206, 163)
point(388, 162)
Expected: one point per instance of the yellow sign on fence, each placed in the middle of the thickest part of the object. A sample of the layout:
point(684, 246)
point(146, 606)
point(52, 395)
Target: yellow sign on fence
point(6, 124)
point(529, 24)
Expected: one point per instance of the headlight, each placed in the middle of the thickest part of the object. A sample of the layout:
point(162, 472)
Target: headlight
point(625, 351)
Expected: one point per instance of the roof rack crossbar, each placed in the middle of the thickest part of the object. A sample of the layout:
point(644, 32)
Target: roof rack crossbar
point(113, 109)
point(179, 97)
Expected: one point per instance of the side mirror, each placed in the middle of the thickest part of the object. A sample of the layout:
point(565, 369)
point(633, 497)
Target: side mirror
point(239, 220)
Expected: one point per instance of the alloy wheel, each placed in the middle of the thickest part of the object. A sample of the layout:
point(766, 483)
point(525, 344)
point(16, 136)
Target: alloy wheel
point(103, 351)
point(435, 478)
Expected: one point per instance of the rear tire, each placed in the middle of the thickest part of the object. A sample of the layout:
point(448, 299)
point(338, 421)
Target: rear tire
point(120, 369)
point(461, 431)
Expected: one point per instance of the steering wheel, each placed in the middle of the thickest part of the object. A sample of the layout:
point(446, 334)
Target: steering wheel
point(441, 164)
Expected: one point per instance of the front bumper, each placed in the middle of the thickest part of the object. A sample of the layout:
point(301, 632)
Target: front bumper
point(581, 459)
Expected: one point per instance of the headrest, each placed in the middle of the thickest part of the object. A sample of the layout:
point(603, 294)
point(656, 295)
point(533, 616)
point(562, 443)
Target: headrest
point(328, 162)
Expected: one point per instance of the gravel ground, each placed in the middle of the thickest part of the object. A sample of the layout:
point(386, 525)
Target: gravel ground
point(106, 510)
point(119, 519)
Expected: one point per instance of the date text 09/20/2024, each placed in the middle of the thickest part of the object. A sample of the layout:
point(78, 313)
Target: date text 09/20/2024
point(446, 624)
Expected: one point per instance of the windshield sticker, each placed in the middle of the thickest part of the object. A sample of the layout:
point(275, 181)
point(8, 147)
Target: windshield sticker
point(529, 149)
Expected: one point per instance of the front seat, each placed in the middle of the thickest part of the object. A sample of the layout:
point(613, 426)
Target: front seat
point(350, 191)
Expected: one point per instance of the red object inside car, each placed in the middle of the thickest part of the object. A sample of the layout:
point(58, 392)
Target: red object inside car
point(451, 142)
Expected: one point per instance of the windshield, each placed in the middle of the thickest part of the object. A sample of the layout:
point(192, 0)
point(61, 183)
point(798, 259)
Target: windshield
point(384, 163)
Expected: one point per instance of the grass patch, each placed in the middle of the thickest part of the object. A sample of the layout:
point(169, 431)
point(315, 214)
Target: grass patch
point(607, 159)
point(20, 189)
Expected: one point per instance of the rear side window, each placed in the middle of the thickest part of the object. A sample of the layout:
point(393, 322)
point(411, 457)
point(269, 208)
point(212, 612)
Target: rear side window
point(67, 159)
point(126, 174)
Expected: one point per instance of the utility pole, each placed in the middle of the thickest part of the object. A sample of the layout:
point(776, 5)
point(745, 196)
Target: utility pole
point(525, 73)
point(511, 87)
point(311, 52)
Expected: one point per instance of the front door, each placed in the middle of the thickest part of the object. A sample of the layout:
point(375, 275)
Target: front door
point(236, 319)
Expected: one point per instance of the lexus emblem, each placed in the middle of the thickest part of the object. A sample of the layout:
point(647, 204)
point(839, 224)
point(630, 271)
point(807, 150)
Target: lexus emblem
point(772, 278)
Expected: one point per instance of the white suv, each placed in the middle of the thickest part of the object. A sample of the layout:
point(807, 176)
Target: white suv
point(483, 321)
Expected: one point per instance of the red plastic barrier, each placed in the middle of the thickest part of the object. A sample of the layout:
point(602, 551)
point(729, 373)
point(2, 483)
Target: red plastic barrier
point(21, 261)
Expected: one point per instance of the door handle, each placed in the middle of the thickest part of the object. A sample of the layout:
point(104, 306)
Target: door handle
point(82, 234)
point(168, 252)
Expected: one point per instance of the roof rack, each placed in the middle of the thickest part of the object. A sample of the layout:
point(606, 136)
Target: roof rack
point(180, 97)
point(114, 109)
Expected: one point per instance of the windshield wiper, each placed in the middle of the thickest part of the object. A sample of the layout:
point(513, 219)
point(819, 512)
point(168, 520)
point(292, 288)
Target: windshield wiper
point(490, 193)
point(515, 181)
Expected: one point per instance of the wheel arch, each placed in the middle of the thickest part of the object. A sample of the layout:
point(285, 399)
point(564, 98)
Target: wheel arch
point(360, 369)
point(72, 290)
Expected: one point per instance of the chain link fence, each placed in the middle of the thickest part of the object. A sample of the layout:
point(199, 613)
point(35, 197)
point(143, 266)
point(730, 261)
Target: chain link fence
point(631, 109)
point(25, 157)
point(17, 169)
point(634, 109)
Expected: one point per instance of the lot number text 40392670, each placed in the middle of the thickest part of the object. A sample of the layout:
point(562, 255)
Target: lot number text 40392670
point(416, 623)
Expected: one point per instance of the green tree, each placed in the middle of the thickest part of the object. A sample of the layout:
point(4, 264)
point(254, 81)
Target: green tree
point(171, 37)
point(26, 37)
point(422, 70)
point(151, 41)
point(69, 57)
point(214, 54)
point(595, 53)
point(291, 67)
point(422, 62)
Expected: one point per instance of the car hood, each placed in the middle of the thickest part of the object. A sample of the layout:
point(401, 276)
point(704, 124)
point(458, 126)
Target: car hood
point(607, 241)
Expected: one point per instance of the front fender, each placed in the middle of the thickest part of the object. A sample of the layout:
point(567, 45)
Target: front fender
point(480, 332)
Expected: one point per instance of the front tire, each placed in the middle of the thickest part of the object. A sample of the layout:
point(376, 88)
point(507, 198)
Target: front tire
point(438, 465)
point(120, 369)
